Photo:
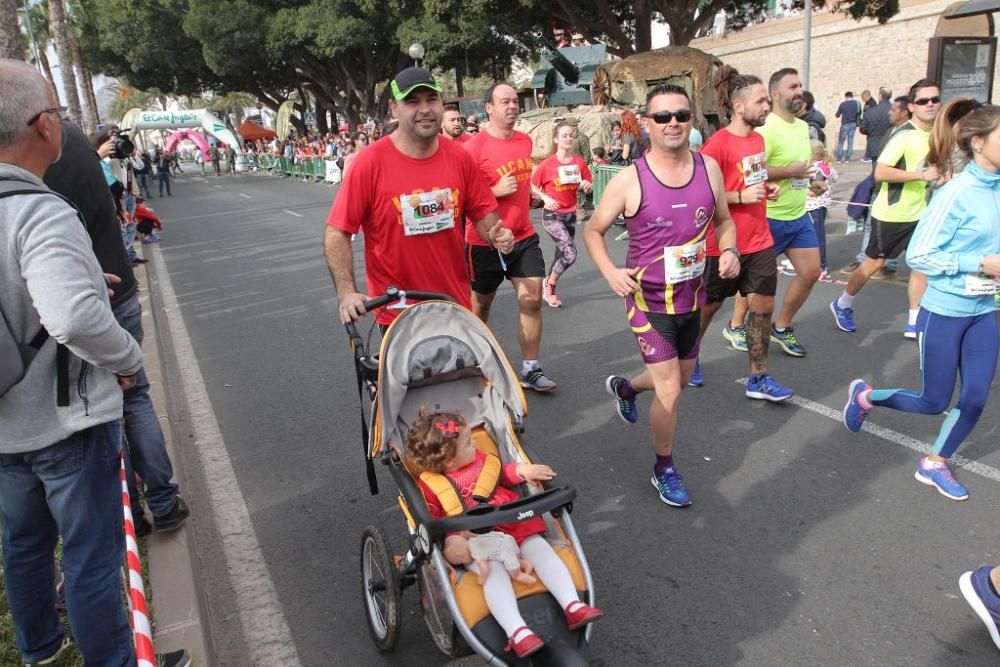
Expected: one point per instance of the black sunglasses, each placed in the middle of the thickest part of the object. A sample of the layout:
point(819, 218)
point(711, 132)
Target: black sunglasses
point(58, 110)
point(664, 117)
point(926, 100)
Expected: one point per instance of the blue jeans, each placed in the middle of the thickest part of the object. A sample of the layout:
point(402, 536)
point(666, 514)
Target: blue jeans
point(70, 489)
point(846, 135)
point(145, 450)
point(142, 180)
point(164, 180)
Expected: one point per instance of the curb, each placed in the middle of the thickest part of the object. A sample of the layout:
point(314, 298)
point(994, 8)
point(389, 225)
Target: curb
point(175, 595)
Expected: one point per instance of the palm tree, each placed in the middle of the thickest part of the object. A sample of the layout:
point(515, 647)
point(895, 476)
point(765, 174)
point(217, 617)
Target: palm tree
point(86, 82)
point(11, 40)
point(57, 23)
point(36, 19)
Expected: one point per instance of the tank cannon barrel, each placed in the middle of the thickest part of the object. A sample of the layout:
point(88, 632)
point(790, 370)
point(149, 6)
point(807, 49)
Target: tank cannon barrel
point(569, 71)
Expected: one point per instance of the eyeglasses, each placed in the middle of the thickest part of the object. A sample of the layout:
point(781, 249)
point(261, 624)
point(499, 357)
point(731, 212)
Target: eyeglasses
point(58, 110)
point(664, 117)
point(923, 101)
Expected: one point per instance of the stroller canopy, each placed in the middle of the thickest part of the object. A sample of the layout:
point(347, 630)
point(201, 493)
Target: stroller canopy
point(433, 343)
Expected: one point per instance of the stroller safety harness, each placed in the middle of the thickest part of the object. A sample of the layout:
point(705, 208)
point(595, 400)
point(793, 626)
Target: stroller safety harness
point(450, 497)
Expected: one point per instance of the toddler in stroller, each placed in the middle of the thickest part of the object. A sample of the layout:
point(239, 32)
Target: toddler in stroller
point(441, 444)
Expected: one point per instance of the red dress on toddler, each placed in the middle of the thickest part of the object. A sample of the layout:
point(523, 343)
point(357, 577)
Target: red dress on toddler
point(465, 480)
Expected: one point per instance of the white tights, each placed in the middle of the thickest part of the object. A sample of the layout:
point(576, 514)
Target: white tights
point(499, 590)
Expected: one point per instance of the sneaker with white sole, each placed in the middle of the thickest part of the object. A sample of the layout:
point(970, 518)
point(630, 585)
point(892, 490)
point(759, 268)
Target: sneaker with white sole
point(766, 388)
point(910, 331)
point(697, 377)
point(66, 643)
point(737, 337)
point(535, 379)
point(843, 316)
point(625, 407)
point(549, 294)
point(855, 414)
point(936, 474)
point(788, 341)
point(978, 591)
point(670, 486)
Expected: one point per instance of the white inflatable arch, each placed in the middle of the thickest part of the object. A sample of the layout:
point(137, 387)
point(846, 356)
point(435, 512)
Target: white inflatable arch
point(200, 118)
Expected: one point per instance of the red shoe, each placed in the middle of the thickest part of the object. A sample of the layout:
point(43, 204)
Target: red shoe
point(581, 615)
point(528, 644)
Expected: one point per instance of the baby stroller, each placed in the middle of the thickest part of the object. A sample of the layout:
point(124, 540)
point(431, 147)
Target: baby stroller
point(439, 355)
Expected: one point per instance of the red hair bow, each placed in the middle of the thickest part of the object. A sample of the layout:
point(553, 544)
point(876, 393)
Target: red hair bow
point(449, 428)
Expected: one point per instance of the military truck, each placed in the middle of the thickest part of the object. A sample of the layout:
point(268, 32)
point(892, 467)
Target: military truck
point(571, 85)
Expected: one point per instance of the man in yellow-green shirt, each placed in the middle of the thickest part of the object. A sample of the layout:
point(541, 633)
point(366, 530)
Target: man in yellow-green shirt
point(787, 153)
point(903, 175)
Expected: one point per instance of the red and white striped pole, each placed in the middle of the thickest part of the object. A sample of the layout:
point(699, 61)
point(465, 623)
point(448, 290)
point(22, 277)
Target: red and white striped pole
point(141, 631)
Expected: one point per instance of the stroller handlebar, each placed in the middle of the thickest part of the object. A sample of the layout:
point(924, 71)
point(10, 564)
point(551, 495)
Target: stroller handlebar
point(483, 517)
point(391, 294)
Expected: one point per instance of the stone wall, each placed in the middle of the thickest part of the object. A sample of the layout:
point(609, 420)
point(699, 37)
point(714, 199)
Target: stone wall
point(845, 55)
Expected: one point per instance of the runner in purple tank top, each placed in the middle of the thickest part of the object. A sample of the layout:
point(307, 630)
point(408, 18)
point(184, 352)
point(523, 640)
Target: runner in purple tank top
point(669, 198)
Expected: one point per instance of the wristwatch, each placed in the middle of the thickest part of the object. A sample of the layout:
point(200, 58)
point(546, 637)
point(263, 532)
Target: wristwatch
point(734, 251)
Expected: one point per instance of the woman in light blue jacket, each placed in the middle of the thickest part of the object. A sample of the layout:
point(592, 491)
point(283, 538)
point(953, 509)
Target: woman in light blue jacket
point(957, 245)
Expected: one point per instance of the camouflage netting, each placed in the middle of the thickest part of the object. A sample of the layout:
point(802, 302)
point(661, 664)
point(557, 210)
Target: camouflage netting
point(593, 122)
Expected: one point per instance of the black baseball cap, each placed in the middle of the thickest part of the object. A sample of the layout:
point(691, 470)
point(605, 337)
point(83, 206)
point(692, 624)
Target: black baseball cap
point(410, 79)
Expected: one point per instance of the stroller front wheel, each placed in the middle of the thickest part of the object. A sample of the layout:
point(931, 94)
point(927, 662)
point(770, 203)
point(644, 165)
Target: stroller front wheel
point(380, 588)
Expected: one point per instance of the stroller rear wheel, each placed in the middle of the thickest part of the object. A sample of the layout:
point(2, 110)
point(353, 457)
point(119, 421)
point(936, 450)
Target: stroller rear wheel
point(380, 588)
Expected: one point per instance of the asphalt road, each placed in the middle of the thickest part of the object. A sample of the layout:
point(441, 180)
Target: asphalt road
point(806, 544)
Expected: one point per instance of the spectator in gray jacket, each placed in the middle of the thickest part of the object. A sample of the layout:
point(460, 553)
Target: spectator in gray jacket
point(60, 439)
point(875, 123)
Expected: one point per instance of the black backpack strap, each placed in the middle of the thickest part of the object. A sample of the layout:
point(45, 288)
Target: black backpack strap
point(9, 188)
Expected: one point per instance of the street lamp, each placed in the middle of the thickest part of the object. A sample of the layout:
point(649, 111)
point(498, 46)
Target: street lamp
point(416, 51)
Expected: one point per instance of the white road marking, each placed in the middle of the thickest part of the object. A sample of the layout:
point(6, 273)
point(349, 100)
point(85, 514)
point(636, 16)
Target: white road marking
point(244, 195)
point(265, 629)
point(219, 186)
point(297, 215)
point(989, 472)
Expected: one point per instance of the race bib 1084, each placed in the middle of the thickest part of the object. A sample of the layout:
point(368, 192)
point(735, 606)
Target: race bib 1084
point(427, 212)
point(753, 169)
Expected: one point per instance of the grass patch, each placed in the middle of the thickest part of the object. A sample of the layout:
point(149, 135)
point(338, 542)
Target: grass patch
point(11, 657)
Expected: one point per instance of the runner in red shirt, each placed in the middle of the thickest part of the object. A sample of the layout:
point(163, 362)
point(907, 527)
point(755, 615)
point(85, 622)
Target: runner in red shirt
point(504, 159)
point(740, 152)
point(557, 180)
point(409, 193)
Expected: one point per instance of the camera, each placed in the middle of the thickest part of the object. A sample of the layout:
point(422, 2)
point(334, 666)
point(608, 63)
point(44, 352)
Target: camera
point(123, 145)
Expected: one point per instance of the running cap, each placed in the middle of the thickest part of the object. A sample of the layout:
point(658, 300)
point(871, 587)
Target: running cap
point(410, 79)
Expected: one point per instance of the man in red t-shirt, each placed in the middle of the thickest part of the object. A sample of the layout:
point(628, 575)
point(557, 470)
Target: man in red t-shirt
point(409, 193)
point(740, 152)
point(504, 160)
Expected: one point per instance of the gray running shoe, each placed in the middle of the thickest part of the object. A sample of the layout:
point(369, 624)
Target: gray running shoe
point(536, 380)
point(737, 337)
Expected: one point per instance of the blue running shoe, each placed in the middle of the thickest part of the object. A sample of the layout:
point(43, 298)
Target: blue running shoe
point(737, 337)
point(697, 378)
point(910, 331)
point(788, 342)
point(766, 388)
point(855, 414)
point(670, 485)
point(979, 593)
point(625, 407)
point(843, 316)
point(936, 474)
